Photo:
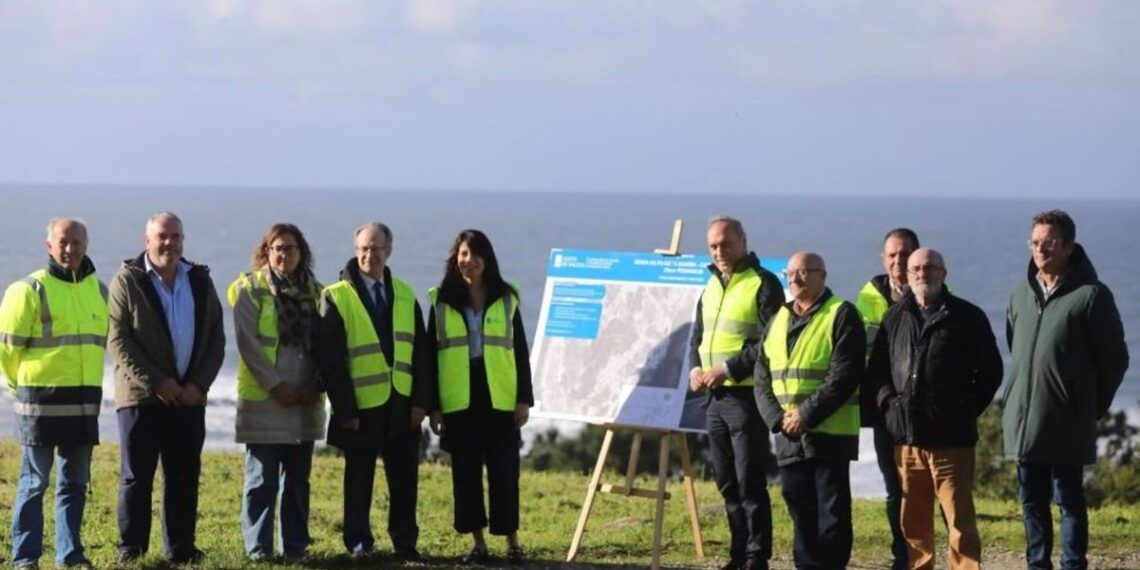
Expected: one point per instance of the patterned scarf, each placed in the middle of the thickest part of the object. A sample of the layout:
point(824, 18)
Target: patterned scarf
point(296, 297)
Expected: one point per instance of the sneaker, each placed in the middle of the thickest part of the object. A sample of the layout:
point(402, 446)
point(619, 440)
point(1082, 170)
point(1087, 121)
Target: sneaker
point(26, 566)
point(477, 555)
point(516, 555)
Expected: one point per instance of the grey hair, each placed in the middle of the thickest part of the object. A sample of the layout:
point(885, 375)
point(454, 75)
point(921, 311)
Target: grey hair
point(56, 221)
point(154, 218)
point(732, 223)
point(382, 228)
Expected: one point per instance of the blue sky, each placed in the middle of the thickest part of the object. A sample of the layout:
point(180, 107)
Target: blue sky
point(915, 98)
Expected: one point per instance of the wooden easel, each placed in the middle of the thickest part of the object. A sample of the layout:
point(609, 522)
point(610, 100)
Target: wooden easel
point(628, 490)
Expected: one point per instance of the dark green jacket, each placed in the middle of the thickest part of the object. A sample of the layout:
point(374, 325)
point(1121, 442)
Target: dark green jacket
point(1068, 357)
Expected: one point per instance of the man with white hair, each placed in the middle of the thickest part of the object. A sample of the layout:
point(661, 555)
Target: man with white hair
point(935, 367)
point(53, 327)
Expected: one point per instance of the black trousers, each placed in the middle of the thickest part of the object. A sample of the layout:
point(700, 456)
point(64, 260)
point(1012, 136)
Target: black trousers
point(818, 494)
point(176, 435)
point(885, 455)
point(738, 442)
point(477, 438)
point(401, 453)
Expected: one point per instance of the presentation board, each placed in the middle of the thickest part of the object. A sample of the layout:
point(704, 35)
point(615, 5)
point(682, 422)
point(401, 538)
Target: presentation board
point(612, 342)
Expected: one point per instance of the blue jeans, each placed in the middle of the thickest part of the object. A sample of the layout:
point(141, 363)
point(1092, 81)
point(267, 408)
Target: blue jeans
point(1042, 483)
point(885, 455)
point(273, 470)
point(70, 497)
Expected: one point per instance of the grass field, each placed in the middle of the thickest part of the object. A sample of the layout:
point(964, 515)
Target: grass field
point(620, 533)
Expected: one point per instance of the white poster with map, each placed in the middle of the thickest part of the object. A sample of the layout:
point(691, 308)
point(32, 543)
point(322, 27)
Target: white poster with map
point(612, 343)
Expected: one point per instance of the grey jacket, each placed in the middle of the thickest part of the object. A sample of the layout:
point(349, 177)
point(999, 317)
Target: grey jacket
point(267, 421)
point(139, 337)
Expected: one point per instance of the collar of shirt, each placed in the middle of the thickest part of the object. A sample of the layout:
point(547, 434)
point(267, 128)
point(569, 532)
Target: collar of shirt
point(1047, 290)
point(369, 284)
point(183, 266)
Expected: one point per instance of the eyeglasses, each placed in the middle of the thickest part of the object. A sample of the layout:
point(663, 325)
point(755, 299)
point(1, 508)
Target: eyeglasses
point(801, 273)
point(923, 269)
point(1044, 244)
point(291, 248)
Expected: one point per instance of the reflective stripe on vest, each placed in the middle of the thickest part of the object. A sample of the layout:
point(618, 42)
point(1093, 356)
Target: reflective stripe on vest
point(453, 356)
point(729, 319)
point(798, 376)
point(256, 285)
point(61, 348)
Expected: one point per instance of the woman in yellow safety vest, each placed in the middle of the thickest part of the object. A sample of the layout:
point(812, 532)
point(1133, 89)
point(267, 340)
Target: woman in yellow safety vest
point(484, 388)
point(280, 411)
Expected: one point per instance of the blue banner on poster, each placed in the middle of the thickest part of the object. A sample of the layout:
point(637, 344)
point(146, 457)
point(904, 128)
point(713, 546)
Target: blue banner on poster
point(640, 267)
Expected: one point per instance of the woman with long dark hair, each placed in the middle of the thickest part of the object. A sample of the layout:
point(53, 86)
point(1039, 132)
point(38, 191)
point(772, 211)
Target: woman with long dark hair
point(485, 390)
point(280, 410)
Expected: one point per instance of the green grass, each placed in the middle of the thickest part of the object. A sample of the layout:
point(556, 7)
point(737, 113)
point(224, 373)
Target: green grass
point(620, 531)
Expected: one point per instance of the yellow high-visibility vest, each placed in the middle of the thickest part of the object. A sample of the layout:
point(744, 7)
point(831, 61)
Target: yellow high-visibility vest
point(730, 318)
point(453, 356)
point(372, 376)
point(797, 376)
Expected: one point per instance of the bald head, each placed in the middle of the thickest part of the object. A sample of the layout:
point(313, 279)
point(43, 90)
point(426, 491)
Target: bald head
point(926, 273)
point(67, 242)
point(807, 276)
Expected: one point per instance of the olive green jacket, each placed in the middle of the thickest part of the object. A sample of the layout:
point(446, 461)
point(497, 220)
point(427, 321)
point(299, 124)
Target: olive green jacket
point(1068, 357)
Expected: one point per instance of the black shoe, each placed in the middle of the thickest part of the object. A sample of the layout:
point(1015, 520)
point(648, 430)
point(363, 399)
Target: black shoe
point(409, 555)
point(516, 555)
point(130, 555)
point(477, 555)
point(755, 564)
point(192, 556)
point(82, 564)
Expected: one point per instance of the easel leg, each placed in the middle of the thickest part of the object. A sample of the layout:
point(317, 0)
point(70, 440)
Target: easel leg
point(631, 469)
point(691, 495)
point(659, 519)
point(599, 468)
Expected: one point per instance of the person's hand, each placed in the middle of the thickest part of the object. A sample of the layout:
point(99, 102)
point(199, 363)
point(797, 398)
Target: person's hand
point(351, 424)
point(793, 425)
point(286, 395)
point(191, 395)
point(168, 391)
point(522, 414)
point(436, 423)
point(417, 417)
point(696, 380)
point(716, 376)
point(309, 396)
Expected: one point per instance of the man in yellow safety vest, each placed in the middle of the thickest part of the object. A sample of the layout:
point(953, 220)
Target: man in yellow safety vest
point(739, 299)
point(53, 329)
point(807, 378)
point(371, 348)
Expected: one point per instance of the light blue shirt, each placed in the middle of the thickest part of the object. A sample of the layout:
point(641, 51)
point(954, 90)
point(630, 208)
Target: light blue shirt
point(474, 332)
point(370, 286)
point(178, 306)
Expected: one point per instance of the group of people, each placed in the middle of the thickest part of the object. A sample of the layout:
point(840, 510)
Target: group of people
point(360, 342)
point(918, 365)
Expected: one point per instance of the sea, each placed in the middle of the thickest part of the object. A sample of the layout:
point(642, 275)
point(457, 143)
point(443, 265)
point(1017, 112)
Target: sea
point(983, 241)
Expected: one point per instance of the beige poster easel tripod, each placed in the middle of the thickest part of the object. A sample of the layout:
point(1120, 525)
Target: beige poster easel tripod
point(660, 495)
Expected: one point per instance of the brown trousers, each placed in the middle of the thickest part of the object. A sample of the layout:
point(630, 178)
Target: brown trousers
point(948, 474)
